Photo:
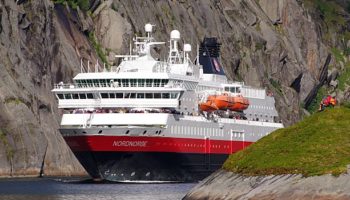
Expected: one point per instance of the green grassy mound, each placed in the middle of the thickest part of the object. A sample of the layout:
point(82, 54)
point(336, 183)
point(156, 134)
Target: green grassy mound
point(318, 145)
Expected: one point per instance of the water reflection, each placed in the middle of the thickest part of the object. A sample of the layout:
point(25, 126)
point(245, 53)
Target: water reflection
point(43, 189)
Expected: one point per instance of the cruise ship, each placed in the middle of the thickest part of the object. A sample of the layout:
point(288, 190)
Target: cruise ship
point(175, 120)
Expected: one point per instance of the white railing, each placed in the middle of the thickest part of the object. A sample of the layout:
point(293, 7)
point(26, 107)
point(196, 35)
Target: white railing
point(118, 103)
point(96, 119)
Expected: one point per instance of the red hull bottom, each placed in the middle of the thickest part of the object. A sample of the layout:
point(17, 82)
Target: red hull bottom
point(150, 158)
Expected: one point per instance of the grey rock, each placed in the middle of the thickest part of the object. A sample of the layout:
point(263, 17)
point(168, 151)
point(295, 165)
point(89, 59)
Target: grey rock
point(227, 185)
point(334, 83)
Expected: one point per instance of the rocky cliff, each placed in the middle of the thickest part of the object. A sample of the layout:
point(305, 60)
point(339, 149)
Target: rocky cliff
point(283, 45)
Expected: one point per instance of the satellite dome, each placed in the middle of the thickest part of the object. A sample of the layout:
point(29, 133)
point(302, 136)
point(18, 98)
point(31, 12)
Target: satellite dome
point(175, 34)
point(148, 28)
point(187, 48)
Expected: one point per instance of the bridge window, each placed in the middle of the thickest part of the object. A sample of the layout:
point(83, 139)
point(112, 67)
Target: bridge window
point(165, 95)
point(119, 95)
point(60, 96)
point(104, 95)
point(67, 96)
point(140, 95)
point(173, 95)
point(75, 96)
point(112, 95)
point(149, 95)
point(90, 96)
point(82, 95)
point(157, 95)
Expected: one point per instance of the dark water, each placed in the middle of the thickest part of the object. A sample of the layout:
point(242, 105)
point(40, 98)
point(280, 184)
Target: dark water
point(57, 189)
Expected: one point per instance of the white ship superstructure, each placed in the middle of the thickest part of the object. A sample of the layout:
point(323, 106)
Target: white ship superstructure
point(142, 119)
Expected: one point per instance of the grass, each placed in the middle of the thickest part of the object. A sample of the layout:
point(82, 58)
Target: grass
point(344, 78)
point(318, 145)
point(314, 106)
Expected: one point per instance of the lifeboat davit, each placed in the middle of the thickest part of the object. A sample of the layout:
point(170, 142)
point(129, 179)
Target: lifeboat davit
point(225, 102)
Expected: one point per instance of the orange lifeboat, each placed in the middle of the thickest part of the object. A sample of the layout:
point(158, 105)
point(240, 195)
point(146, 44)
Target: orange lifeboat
point(225, 102)
point(209, 105)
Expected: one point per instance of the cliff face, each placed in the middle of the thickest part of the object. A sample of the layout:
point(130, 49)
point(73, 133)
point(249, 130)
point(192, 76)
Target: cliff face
point(275, 44)
point(36, 51)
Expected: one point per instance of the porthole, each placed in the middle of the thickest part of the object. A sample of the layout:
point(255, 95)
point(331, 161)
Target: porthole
point(144, 132)
point(127, 132)
point(160, 132)
point(100, 131)
point(156, 132)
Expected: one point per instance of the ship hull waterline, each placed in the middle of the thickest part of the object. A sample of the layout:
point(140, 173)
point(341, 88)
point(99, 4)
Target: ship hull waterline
point(141, 159)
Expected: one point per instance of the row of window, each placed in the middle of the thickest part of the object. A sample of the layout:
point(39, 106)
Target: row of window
point(171, 95)
point(122, 82)
point(233, 89)
point(127, 95)
point(76, 96)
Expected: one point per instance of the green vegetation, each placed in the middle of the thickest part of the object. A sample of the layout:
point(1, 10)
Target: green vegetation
point(98, 48)
point(74, 4)
point(277, 86)
point(12, 100)
point(9, 150)
point(344, 78)
point(314, 106)
point(318, 145)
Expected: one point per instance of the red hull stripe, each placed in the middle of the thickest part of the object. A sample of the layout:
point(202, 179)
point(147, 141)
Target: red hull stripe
point(153, 144)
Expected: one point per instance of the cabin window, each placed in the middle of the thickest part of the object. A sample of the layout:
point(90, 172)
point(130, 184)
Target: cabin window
point(156, 82)
point(119, 95)
point(90, 96)
point(89, 83)
point(133, 83)
point(125, 82)
point(164, 82)
point(149, 95)
point(148, 82)
point(141, 82)
point(96, 83)
point(238, 90)
point(82, 96)
point(104, 95)
point(60, 96)
point(227, 89)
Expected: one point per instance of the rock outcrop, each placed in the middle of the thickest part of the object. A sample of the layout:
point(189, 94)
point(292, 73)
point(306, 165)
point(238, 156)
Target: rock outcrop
point(227, 185)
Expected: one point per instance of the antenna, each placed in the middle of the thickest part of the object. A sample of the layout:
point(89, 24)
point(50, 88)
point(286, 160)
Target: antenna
point(81, 65)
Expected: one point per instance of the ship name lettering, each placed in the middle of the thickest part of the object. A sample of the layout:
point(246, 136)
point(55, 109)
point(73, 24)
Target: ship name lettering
point(129, 143)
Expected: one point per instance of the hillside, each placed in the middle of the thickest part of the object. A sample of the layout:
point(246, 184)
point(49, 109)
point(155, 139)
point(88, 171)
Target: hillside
point(320, 144)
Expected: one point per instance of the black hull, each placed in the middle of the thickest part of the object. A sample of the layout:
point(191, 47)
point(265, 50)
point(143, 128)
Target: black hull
point(149, 166)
